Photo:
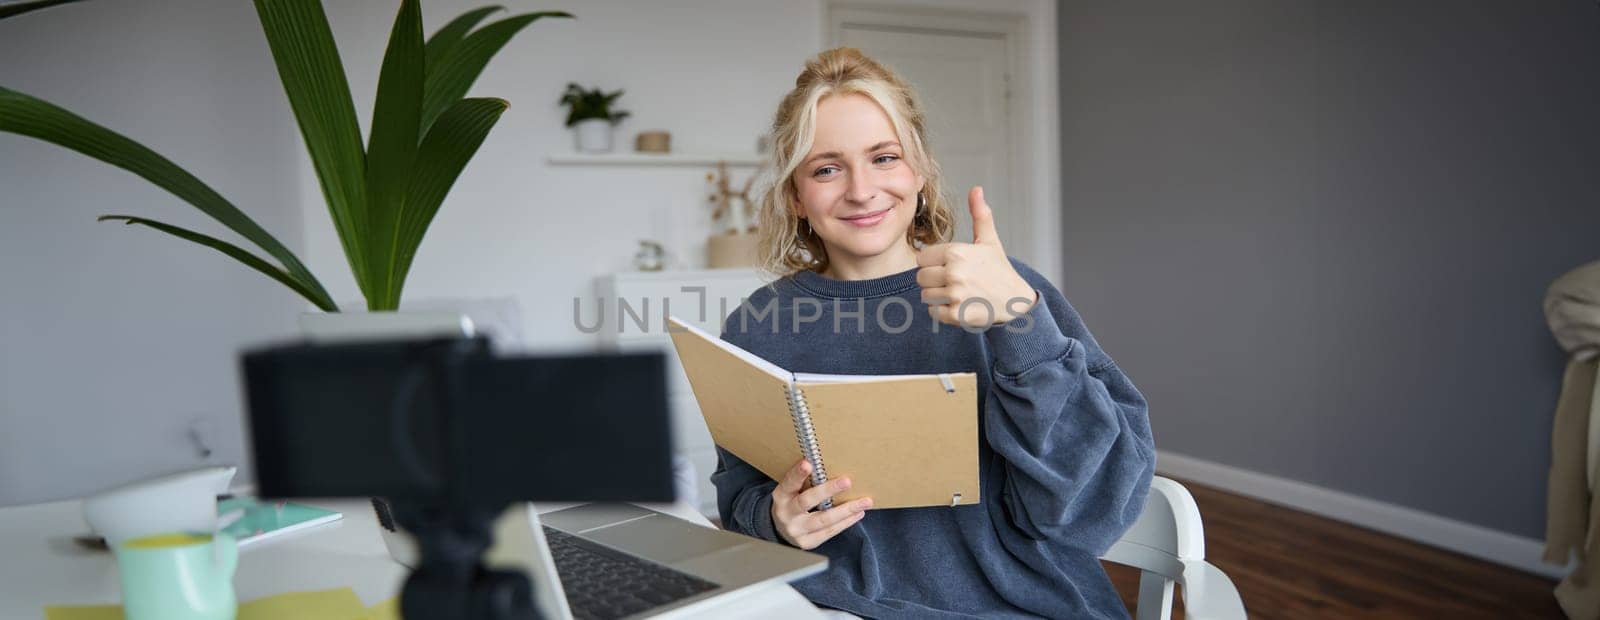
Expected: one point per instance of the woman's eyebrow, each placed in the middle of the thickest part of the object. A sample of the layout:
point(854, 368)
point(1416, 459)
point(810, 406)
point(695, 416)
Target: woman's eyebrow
point(836, 154)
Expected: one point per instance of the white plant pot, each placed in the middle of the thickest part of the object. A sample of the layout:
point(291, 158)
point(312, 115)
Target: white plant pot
point(593, 135)
point(330, 327)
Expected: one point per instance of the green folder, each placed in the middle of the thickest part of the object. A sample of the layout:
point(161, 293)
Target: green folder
point(263, 521)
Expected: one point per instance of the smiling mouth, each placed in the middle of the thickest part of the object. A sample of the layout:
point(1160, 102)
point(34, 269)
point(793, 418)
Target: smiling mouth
point(868, 220)
point(866, 216)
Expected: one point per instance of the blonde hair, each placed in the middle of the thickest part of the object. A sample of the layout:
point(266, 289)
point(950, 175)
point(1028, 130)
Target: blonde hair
point(783, 248)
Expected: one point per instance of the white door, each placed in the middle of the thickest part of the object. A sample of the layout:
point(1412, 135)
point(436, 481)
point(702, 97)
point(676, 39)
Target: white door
point(961, 80)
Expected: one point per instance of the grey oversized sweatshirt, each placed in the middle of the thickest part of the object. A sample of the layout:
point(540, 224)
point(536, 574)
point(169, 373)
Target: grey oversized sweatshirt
point(1065, 453)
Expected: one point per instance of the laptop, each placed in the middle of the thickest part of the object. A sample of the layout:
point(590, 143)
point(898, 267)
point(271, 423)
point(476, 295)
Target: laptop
point(593, 560)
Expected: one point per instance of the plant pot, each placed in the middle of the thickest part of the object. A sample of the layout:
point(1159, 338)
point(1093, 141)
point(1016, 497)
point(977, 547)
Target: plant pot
point(593, 135)
point(362, 325)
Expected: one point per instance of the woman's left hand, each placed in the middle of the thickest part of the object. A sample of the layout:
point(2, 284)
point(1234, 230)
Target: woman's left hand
point(973, 284)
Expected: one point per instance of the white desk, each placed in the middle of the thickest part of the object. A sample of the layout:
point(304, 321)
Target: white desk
point(40, 565)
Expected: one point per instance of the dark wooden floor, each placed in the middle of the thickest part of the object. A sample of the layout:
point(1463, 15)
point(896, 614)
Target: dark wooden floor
point(1289, 564)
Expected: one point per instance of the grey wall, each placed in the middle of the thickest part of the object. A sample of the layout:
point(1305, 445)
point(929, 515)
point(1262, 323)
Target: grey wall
point(1317, 233)
point(115, 340)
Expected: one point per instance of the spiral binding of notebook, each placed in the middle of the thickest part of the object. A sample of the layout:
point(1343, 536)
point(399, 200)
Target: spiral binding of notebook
point(807, 435)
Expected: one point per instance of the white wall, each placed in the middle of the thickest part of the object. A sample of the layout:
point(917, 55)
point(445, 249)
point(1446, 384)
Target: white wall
point(115, 340)
point(711, 72)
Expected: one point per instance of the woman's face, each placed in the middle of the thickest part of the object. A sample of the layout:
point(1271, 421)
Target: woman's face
point(855, 187)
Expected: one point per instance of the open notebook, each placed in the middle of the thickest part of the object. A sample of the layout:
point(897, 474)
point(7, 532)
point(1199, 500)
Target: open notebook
point(903, 440)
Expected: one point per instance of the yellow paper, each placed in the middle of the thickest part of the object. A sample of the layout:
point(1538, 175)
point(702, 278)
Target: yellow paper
point(83, 612)
point(335, 604)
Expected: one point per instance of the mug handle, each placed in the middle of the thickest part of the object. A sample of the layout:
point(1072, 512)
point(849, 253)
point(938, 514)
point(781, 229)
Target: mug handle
point(225, 554)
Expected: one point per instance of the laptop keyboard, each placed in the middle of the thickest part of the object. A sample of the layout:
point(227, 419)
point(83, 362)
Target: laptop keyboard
point(603, 583)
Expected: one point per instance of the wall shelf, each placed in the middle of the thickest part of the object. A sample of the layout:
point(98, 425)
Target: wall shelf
point(653, 159)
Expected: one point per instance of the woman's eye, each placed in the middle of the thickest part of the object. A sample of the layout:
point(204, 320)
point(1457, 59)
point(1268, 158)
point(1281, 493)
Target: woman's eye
point(824, 171)
point(884, 159)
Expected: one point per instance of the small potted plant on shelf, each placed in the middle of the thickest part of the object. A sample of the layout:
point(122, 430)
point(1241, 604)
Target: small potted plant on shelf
point(590, 116)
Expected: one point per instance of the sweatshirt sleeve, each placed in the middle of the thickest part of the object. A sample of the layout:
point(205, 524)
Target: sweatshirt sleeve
point(1071, 429)
point(744, 497)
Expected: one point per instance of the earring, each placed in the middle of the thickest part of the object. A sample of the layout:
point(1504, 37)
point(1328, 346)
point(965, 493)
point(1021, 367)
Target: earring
point(808, 227)
point(922, 202)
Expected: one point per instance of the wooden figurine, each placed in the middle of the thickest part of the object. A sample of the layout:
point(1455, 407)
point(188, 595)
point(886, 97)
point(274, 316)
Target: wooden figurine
point(732, 219)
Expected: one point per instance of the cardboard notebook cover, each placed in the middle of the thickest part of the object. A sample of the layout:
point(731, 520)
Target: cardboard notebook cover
point(903, 440)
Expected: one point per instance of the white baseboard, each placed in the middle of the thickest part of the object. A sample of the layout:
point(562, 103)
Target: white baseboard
point(1510, 550)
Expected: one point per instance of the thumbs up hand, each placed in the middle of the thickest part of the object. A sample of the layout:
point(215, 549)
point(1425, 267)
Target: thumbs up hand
point(973, 284)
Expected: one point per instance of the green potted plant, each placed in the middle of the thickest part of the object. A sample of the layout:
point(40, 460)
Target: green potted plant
point(382, 195)
point(591, 118)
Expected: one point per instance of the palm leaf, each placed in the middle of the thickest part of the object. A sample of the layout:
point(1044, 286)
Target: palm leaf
point(459, 68)
point(250, 260)
point(29, 116)
point(314, 81)
point(444, 152)
point(392, 147)
point(452, 33)
point(17, 8)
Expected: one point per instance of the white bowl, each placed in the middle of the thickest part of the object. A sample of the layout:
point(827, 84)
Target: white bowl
point(181, 502)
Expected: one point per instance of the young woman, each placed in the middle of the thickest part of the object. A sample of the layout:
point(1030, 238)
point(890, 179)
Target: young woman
point(855, 224)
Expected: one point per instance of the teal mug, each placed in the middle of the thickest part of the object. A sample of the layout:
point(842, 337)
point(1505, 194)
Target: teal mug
point(178, 576)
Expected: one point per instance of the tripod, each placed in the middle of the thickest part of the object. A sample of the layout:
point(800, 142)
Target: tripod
point(450, 581)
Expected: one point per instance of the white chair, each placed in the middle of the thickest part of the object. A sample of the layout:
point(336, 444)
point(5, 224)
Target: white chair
point(1168, 545)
